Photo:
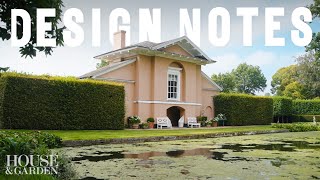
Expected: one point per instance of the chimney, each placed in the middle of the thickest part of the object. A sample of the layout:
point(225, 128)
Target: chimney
point(119, 40)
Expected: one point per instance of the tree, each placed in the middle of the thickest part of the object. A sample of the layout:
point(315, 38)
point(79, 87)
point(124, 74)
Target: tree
point(309, 74)
point(249, 79)
point(302, 80)
point(30, 6)
point(244, 79)
point(4, 69)
point(282, 78)
point(295, 90)
point(226, 81)
point(315, 43)
point(102, 64)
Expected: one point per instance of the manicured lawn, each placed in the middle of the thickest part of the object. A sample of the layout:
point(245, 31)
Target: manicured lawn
point(112, 134)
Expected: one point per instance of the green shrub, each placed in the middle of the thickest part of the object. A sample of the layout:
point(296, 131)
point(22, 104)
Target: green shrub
point(134, 120)
point(282, 106)
point(242, 109)
point(306, 107)
point(18, 143)
point(298, 127)
point(64, 103)
point(65, 170)
point(32, 143)
point(144, 126)
point(37, 137)
point(202, 120)
point(150, 120)
point(305, 118)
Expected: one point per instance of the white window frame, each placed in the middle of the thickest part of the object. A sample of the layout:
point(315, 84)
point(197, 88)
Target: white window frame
point(174, 71)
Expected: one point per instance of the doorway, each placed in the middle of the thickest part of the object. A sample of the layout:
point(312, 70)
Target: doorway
point(174, 113)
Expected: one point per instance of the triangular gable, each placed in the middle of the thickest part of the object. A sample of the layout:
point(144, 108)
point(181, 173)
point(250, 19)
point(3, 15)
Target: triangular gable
point(185, 43)
point(177, 49)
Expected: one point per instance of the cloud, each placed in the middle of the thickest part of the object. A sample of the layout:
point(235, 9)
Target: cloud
point(227, 62)
point(261, 58)
point(224, 64)
point(64, 61)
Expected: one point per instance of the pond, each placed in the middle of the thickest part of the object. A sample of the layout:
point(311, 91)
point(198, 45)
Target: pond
point(269, 156)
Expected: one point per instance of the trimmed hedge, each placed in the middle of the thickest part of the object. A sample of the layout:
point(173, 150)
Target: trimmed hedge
point(307, 107)
point(43, 102)
point(2, 88)
point(305, 118)
point(298, 127)
point(282, 106)
point(243, 109)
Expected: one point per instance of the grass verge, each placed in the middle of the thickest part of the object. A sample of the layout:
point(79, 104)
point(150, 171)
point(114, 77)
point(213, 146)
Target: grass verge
point(114, 134)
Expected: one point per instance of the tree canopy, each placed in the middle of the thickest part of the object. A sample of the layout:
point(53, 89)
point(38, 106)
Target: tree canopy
point(300, 81)
point(4, 69)
point(249, 79)
point(315, 43)
point(283, 77)
point(309, 73)
point(30, 6)
point(226, 81)
point(102, 64)
point(244, 79)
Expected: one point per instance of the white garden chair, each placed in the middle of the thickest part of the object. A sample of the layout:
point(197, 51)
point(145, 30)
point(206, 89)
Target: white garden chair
point(163, 122)
point(192, 122)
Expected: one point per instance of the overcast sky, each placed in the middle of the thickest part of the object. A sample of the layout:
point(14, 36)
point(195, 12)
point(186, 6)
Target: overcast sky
point(79, 60)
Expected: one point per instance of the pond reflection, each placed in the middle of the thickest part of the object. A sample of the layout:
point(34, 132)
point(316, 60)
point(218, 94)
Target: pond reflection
point(289, 146)
point(276, 156)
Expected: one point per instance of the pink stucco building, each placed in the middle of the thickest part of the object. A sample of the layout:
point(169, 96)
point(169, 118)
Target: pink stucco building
point(160, 79)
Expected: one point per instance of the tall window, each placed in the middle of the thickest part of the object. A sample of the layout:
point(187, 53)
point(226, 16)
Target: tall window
point(173, 84)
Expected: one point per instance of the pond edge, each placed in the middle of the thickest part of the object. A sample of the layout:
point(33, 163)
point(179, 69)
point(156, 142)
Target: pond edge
point(76, 143)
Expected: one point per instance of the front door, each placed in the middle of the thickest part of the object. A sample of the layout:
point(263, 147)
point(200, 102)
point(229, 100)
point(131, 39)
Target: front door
point(174, 115)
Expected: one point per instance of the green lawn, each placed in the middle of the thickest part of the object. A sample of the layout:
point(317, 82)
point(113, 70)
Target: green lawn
point(112, 134)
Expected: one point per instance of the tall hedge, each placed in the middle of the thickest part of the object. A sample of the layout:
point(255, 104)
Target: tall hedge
point(42, 102)
point(306, 107)
point(282, 106)
point(243, 109)
point(2, 88)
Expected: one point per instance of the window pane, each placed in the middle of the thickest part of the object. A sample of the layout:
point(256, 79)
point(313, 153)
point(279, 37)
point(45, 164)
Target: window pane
point(173, 86)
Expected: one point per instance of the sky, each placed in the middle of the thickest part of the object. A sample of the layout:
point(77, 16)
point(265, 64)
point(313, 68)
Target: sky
point(67, 61)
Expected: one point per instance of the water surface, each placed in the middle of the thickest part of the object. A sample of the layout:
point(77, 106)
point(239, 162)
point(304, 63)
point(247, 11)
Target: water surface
point(269, 156)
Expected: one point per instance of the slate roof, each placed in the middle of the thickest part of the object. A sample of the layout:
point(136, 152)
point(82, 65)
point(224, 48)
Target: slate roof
point(106, 69)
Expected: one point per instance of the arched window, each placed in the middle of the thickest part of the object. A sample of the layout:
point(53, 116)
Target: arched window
point(174, 82)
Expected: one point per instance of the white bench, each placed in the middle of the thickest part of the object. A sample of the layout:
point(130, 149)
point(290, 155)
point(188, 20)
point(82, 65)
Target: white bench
point(192, 122)
point(163, 122)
